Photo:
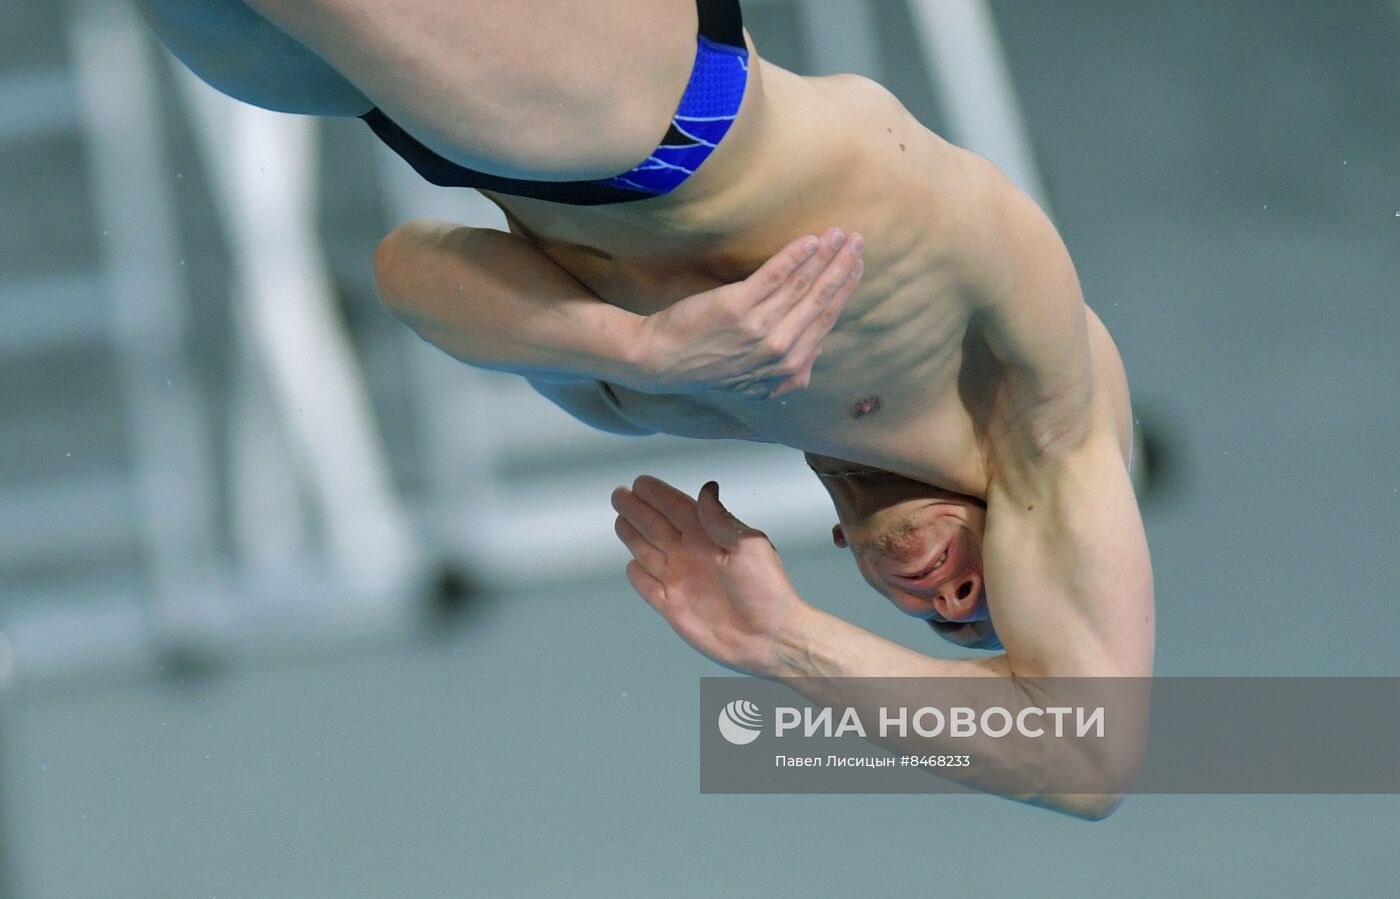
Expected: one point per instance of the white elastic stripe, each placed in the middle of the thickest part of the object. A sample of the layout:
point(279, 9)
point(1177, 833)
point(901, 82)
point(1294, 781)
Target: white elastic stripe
point(661, 164)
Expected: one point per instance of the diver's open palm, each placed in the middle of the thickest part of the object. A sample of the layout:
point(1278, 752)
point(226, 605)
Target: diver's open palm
point(720, 584)
point(758, 337)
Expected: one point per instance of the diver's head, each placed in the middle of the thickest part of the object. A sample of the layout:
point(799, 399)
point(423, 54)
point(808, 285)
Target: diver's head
point(917, 545)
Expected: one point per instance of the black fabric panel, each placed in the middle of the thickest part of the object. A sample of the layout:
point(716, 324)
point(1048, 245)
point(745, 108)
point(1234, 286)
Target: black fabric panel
point(445, 173)
point(721, 21)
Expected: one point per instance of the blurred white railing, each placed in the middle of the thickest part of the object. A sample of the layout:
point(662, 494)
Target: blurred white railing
point(324, 548)
point(969, 71)
point(320, 549)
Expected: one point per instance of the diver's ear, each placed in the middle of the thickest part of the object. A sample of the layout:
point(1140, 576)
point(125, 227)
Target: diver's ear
point(838, 536)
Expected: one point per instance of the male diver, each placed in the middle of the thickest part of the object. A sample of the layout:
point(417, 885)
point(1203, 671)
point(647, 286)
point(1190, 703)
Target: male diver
point(968, 413)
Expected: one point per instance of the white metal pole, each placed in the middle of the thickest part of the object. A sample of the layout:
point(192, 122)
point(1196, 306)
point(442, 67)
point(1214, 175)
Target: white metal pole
point(974, 83)
point(264, 171)
point(135, 210)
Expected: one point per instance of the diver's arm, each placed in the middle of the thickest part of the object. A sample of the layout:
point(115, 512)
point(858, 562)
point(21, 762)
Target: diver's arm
point(495, 300)
point(1067, 566)
point(1070, 588)
point(838, 665)
point(1069, 582)
point(721, 586)
point(823, 646)
point(1068, 575)
point(240, 53)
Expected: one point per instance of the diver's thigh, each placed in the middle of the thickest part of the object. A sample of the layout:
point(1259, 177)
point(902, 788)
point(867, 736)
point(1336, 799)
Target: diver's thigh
point(555, 89)
point(242, 54)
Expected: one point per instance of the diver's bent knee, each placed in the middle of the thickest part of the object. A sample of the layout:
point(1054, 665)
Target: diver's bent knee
point(389, 265)
point(399, 259)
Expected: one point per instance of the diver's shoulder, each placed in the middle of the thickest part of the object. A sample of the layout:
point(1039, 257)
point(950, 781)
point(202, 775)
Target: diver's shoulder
point(1113, 395)
point(860, 95)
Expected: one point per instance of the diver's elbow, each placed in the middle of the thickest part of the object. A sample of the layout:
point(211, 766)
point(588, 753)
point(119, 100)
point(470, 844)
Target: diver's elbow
point(1092, 807)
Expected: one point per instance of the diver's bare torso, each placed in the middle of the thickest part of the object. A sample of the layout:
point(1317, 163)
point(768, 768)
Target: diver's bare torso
point(905, 378)
point(966, 359)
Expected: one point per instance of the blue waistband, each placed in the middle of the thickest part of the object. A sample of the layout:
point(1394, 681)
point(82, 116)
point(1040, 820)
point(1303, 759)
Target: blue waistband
point(707, 111)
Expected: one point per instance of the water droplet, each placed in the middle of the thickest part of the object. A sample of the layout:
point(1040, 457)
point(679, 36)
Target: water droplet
point(169, 382)
point(67, 455)
point(179, 175)
point(1344, 162)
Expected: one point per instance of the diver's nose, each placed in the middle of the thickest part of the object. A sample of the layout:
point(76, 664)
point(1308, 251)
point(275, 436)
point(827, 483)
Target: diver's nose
point(957, 601)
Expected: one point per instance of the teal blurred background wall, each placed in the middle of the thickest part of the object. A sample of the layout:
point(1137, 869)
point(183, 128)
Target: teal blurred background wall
point(1227, 176)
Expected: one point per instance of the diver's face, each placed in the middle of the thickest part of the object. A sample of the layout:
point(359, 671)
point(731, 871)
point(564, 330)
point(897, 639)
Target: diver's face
point(919, 546)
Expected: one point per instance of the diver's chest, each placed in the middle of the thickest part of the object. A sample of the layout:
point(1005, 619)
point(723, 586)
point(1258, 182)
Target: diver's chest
point(910, 407)
point(917, 425)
